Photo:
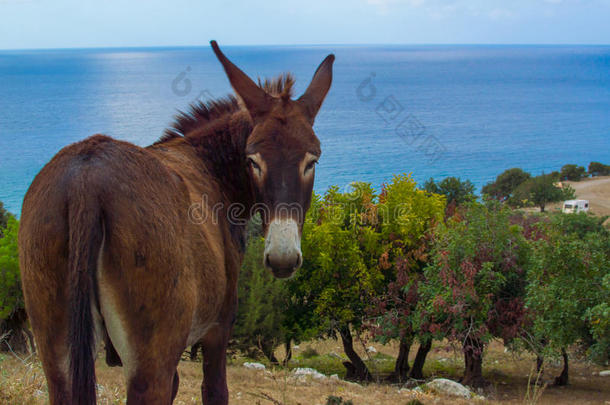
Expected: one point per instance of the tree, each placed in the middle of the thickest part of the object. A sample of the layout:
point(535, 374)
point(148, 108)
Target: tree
point(407, 216)
point(13, 318)
point(598, 169)
point(262, 300)
point(505, 184)
point(572, 172)
point(540, 191)
point(475, 283)
point(4, 215)
point(456, 191)
point(339, 245)
point(569, 288)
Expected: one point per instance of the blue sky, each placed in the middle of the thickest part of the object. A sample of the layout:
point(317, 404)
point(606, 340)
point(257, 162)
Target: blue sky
point(114, 23)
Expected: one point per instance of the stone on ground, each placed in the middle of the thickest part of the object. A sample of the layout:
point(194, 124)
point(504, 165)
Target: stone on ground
point(254, 366)
point(449, 387)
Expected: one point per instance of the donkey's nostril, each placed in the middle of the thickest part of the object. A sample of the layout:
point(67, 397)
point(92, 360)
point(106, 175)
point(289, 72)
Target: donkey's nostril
point(299, 261)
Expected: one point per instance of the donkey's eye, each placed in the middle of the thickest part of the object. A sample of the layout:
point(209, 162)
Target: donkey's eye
point(254, 165)
point(310, 165)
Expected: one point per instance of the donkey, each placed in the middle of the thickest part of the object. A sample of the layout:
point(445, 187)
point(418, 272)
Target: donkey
point(140, 248)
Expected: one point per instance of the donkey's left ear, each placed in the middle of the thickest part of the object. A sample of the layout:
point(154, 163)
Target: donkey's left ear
point(312, 99)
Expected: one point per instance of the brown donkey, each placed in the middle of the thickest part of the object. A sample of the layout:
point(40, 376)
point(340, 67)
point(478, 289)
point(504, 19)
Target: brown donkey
point(140, 248)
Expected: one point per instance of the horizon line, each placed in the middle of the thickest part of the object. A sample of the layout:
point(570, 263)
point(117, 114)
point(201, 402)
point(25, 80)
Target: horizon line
point(299, 45)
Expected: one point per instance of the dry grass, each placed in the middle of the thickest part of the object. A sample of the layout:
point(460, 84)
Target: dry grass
point(23, 383)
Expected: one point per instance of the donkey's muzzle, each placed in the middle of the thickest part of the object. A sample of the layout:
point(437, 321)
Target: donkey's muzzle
point(283, 247)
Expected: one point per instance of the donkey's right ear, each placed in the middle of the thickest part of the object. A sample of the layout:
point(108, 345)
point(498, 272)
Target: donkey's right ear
point(313, 97)
point(256, 99)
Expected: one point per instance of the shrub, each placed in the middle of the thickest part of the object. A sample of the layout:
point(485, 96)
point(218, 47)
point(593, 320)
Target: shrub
point(505, 184)
point(333, 400)
point(540, 191)
point(13, 318)
point(262, 300)
point(456, 191)
point(475, 283)
point(572, 172)
point(309, 353)
point(569, 286)
point(599, 169)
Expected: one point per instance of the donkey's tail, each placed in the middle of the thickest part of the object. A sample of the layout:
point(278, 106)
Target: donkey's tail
point(85, 240)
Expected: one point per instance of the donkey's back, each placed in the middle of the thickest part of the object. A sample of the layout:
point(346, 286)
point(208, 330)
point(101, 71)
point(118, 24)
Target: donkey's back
point(106, 254)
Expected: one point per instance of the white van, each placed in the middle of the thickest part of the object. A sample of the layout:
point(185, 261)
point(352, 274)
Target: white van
point(571, 206)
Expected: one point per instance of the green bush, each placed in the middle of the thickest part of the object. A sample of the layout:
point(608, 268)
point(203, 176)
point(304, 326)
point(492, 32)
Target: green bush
point(505, 184)
point(309, 353)
point(569, 286)
point(262, 300)
point(333, 400)
point(4, 216)
point(455, 190)
point(572, 172)
point(474, 285)
point(599, 169)
point(540, 191)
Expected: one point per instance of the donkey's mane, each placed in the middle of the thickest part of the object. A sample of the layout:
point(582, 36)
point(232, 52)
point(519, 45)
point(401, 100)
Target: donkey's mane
point(201, 113)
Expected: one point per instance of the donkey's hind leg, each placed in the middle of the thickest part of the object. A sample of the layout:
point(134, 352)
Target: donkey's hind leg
point(148, 325)
point(49, 322)
point(149, 350)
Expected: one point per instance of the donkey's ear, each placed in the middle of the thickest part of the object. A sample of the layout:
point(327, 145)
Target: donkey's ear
point(312, 99)
point(256, 99)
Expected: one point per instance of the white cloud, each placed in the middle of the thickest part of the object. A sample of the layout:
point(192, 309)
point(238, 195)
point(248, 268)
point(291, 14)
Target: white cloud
point(500, 14)
point(383, 6)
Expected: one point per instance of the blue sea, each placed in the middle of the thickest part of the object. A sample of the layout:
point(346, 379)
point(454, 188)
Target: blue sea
point(434, 111)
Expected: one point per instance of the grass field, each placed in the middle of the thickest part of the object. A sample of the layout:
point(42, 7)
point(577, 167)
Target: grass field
point(22, 381)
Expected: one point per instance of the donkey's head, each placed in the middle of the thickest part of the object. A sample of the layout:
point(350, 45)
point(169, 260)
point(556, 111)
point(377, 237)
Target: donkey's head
point(281, 154)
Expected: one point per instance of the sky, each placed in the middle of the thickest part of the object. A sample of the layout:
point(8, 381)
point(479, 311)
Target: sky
point(27, 24)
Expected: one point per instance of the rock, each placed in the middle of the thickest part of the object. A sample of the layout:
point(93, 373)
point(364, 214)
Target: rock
point(371, 349)
point(296, 347)
point(254, 366)
point(309, 371)
point(605, 373)
point(448, 387)
point(335, 355)
point(335, 377)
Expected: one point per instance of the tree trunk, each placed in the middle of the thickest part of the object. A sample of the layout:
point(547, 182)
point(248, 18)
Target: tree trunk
point(473, 363)
point(401, 368)
point(14, 331)
point(417, 372)
point(288, 347)
point(360, 371)
point(563, 379)
point(268, 350)
point(31, 339)
point(542, 207)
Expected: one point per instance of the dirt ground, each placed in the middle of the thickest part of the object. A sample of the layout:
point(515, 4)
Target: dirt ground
point(594, 189)
point(22, 382)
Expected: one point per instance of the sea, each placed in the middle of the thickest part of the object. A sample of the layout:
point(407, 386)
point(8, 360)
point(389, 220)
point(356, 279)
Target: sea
point(432, 111)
